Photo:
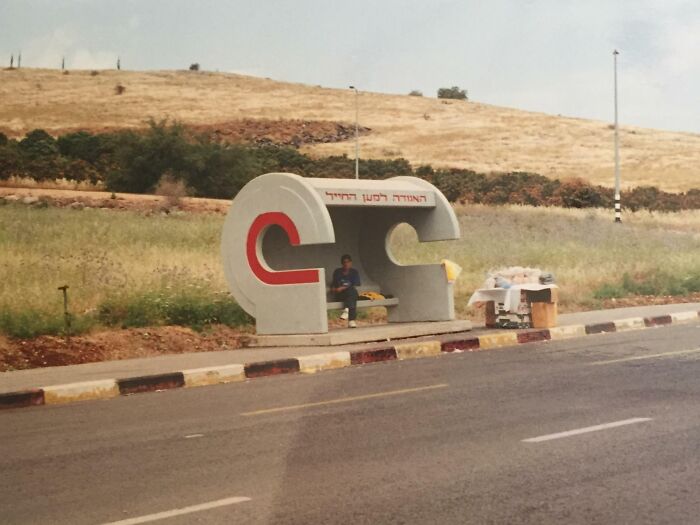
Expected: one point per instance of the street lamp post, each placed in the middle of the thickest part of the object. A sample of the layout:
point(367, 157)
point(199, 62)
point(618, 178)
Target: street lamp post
point(357, 133)
point(618, 208)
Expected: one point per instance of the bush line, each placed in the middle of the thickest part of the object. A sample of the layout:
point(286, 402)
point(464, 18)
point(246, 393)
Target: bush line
point(136, 161)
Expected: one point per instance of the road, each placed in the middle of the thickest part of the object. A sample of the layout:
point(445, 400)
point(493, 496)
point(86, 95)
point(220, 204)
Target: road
point(597, 430)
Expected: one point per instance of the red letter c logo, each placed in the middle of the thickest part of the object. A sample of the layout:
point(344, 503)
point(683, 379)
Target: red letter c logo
point(260, 224)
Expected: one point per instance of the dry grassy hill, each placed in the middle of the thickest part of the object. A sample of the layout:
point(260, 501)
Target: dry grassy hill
point(423, 130)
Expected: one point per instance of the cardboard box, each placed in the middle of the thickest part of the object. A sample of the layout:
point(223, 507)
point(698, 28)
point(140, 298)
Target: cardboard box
point(548, 295)
point(544, 315)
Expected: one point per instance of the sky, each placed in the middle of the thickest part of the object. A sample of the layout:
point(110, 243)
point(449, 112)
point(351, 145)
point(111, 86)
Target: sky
point(553, 56)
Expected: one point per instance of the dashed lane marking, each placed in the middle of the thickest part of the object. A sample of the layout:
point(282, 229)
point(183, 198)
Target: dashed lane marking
point(585, 430)
point(179, 512)
point(650, 356)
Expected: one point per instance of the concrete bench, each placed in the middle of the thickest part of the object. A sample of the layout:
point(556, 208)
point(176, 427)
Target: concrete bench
point(338, 305)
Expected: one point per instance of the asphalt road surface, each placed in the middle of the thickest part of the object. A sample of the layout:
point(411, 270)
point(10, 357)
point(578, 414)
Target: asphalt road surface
point(604, 429)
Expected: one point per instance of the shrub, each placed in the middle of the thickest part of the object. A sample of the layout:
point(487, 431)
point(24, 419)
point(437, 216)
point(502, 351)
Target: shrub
point(196, 310)
point(10, 161)
point(38, 144)
point(458, 184)
point(577, 194)
point(27, 324)
point(80, 145)
point(172, 189)
point(39, 155)
point(142, 159)
point(135, 162)
point(453, 92)
point(194, 67)
point(415, 93)
point(219, 171)
point(119, 89)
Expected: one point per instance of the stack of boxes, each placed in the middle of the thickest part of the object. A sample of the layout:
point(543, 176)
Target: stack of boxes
point(537, 309)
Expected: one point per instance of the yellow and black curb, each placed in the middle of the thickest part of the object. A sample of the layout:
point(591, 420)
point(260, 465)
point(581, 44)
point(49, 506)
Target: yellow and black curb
point(108, 388)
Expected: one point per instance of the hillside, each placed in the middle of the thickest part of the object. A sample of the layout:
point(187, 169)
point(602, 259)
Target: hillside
point(423, 130)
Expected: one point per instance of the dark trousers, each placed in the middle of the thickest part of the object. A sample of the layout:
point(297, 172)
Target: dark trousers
point(349, 298)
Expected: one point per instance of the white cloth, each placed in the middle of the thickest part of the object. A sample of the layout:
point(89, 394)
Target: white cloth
point(510, 297)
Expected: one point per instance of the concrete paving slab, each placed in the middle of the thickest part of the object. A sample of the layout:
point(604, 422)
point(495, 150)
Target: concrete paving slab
point(364, 334)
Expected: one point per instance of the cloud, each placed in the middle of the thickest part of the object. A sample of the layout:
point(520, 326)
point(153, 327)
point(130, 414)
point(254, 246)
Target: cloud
point(47, 51)
point(679, 44)
point(85, 59)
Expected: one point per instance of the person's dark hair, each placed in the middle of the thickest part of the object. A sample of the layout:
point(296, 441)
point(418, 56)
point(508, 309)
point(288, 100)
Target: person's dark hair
point(344, 258)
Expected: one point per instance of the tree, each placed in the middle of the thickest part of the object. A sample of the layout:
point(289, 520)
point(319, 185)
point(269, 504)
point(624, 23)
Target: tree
point(415, 93)
point(37, 144)
point(40, 157)
point(453, 92)
point(80, 145)
point(194, 67)
point(218, 170)
point(141, 159)
point(10, 160)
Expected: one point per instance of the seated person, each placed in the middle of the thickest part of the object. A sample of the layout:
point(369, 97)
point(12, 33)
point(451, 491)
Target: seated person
point(344, 288)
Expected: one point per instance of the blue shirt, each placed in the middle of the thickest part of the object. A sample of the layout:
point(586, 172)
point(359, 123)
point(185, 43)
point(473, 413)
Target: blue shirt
point(352, 278)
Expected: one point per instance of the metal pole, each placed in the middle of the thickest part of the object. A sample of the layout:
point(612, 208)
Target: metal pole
point(618, 207)
point(66, 314)
point(357, 134)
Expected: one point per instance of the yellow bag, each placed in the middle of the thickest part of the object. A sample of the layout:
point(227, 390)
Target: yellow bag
point(371, 296)
point(452, 270)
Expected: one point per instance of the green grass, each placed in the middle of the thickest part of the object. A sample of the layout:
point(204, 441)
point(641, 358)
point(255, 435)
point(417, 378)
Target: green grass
point(119, 266)
point(196, 310)
point(130, 269)
point(586, 251)
point(656, 283)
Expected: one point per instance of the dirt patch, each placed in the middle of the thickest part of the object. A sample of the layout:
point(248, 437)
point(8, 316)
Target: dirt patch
point(147, 204)
point(131, 343)
point(260, 132)
point(281, 132)
point(114, 345)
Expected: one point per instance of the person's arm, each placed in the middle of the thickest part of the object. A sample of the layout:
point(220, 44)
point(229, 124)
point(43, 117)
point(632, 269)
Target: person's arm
point(356, 278)
point(335, 285)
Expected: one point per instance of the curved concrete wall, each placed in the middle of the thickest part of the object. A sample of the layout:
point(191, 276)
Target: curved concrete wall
point(284, 235)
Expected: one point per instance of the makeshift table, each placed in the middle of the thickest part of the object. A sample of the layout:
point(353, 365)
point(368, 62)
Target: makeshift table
point(539, 302)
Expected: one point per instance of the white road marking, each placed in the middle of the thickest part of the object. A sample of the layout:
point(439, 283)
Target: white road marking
point(585, 430)
point(179, 512)
point(344, 400)
point(190, 436)
point(650, 356)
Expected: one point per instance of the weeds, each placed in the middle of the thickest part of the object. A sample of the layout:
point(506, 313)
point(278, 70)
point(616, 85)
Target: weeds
point(196, 311)
point(655, 283)
point(25, 324)
point(128, 269)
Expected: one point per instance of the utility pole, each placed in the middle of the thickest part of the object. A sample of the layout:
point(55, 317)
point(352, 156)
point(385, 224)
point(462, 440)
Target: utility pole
point(618, 207)
point(357, 134)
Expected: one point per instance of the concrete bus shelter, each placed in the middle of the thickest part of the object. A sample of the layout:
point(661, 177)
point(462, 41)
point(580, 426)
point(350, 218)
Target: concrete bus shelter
point(284, 235)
